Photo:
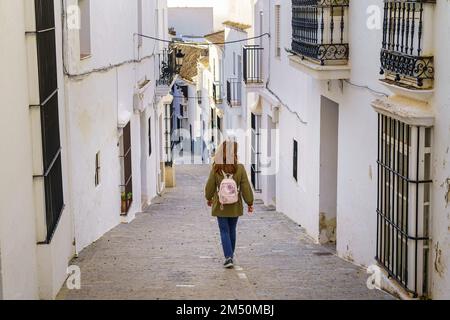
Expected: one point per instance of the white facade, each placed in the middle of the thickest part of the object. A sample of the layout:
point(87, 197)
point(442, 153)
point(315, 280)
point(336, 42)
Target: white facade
point(101, 104)
point(31, 267)
point(328, 111)
point(105, 80)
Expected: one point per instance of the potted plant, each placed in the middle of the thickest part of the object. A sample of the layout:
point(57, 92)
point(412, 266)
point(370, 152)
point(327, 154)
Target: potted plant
point(124, 202)
point(129, 199)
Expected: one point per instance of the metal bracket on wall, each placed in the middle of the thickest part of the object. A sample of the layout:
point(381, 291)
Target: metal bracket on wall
point(447, 195)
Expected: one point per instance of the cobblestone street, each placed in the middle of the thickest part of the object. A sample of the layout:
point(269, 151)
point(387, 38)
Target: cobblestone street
point(172, 251)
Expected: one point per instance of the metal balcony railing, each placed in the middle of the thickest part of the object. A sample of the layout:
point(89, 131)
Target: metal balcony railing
point(320, 30)
point(252, 56)
point(165, 63)
point(217, 92)
point(234, 92)
point(402, 54)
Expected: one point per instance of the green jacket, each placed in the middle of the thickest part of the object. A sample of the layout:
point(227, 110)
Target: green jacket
point(232, 210)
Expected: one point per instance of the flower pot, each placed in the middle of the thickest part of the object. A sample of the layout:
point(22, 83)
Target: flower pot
point(124, 206)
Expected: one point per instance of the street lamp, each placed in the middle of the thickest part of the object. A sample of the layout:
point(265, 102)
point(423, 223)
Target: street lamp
point(179, 57)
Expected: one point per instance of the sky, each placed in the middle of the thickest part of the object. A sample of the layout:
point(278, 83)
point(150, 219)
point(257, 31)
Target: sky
point(220, 8)
point(197, 3)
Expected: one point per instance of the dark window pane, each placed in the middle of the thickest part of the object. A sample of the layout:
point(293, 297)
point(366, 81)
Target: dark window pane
point(50, 131)
point(54, 198)
point(46, 50)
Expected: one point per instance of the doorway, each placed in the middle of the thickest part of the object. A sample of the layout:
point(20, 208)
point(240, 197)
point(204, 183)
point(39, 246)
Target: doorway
point(329, 131)
point(271, 162)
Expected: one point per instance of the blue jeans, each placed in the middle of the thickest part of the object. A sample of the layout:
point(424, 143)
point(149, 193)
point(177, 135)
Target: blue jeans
point(228, 235)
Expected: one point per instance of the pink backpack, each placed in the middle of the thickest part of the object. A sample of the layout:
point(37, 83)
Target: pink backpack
point(228, 191)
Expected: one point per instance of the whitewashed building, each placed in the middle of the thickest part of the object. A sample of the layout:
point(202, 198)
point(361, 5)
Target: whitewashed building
point(85, 100)
point(115, 106)
point(364, 153)
point(36, 213)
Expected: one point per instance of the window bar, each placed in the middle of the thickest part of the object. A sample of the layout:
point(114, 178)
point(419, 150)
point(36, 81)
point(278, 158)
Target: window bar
point(403, 27)
point(322, 25)
point(416, 241)
point(316, 24)
point(403, 200)
point(332, 24)
point(394, 175)
point(394, 21)
point(342, 24)
point(419, 49)
point(407, 27)
point(379, 189)
point(385, 24)
point(399, 18)
point(388, 192)
point(383, 232)
point(399, 154)
point(389, 26)
point(413, 26)
point(408, 136)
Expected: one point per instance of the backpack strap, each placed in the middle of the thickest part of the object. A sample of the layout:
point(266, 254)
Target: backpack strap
point(227, 176)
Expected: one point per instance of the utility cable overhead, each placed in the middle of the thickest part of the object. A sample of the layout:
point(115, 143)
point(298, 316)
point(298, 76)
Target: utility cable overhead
point(202, 43)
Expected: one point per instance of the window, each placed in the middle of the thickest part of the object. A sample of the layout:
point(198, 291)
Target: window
point(295, 161)
point(199, 97)
point(403, 205)
point(127, 172)
point(49, 109)
point(97, 169)
point(234, 63)
point(256, 152)
point(85, 28)
point(277, 31)
point(149, 136)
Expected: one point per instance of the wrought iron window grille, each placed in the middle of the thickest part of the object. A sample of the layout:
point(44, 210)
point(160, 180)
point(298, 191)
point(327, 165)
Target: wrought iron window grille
point(403, 205)
point(49, 115)
point(319, 30)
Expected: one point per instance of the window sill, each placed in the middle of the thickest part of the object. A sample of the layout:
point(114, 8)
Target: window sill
point(319, 72)
point(85, 56)
point(409, 111)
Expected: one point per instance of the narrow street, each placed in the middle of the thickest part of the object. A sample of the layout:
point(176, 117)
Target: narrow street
point(172, 251)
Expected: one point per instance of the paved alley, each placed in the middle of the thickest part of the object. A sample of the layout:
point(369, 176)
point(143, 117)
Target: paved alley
point(172, 251)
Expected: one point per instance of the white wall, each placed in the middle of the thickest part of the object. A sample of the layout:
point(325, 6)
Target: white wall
point(440, 250)
point(29, 271)
point(191, 21)
point(17, 226)
point(357, 138)
point(95, 103)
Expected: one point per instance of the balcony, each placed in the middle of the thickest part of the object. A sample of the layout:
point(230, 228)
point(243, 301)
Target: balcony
point(320, 37)
point(217, 92)
point(253, 55)
point(234, 92)
point(166, 71)
point(406, 56)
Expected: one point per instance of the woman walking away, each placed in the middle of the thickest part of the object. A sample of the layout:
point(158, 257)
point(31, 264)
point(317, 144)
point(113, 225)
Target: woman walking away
point(226, 190)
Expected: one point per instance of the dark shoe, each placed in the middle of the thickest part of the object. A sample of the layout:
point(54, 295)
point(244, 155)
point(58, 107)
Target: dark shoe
point(228, 264)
